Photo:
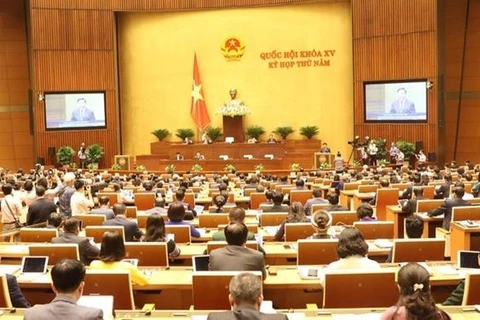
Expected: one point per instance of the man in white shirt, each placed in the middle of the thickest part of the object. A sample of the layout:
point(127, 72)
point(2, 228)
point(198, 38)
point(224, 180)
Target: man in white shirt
point(10, 208)
point(80, 203)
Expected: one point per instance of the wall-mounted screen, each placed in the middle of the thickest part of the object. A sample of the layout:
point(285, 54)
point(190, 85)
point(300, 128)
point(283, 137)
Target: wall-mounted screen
point(399, 101)
point(74, 110)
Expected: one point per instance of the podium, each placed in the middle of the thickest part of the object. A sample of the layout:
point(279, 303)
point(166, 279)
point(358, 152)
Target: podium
point(320, 157)
point(233, 127)
point(125, 162)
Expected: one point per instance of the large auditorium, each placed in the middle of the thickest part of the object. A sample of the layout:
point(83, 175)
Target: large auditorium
point(239, 159)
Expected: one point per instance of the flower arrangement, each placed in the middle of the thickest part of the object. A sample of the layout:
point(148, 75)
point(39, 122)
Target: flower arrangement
point(295, 166)
point(324, 165)
point(92, 166)
point(233, 108)
point(140, 168)
point(197, 168)
point(259, 167)
point(230, 168)
point(170, 168)
point(116, 166)
point(357, 163)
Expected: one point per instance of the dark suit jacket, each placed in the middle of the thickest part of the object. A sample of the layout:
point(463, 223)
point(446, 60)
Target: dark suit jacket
point(237, 258)
point(443, 191)
point(107, 212)
point(88, 115)
point(16, 295)
point(446, 209)
point(130, 227)
point(411, 206)
point(39, 211)
point(276, 208)
point(245, 313)
point(87, 251)
point(407, 193)
point(62, 307)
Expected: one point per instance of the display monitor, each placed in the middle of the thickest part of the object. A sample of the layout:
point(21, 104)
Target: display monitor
point(74, 110)
point(396, 101)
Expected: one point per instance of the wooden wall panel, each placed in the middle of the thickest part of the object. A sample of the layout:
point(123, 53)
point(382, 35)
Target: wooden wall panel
point(396, 40)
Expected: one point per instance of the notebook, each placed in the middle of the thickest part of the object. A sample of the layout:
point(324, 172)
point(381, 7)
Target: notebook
point(467, 259)
point(308, 273)
point(201, 263)
point(32, 267)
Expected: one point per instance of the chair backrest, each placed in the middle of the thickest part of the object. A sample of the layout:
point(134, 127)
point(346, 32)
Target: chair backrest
point(131, 212)
point(372, 230)
point(212, 245)
point(256, 198)
point(471, 295)
point(367, 188)
point(466, 213)
point(212, 220)
point(55, 252)
point(300, 195)
point(96, 232)
point(400, 186)
point(144, 201)
point(319, 206)
point(413, 250)
point(248, 191)
point(112, 197)
point(474, 201)
point(428, 192)
point(347, 289)
point(350, 186)
point(279, 187)
point(190, 199)
point(295, 231)
point(91, 219)
point(180, 232)
point(427, 205)
point(385, 197)
point(5, 301)
point(149, 254)
point(37, 234)
point(210, 289)
point(272, 218)
point(316, 251)
point(253, 228)
point(344, 217)
point(111, 283)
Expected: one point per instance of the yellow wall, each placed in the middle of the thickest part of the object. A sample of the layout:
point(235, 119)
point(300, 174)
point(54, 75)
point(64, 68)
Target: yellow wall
point(156, 66)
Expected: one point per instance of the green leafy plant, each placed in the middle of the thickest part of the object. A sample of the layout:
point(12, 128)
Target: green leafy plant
point(196, 168)
point(116, 166)
point(309, 131)
point(295, 166)
point(230, 168)
point(73, 165)
point(255, 131)
point(284, 132)
point(94, 153)
point(65, 155)
point(183, 133)
point(407, 148)
point(92, 166)
point(170, 168)
point(383, 162)
point(214, 133)
point(357, 163)
point(382, 151)
point(324, 165)
point(259, 167)
point(140, 168)
point(161, 134)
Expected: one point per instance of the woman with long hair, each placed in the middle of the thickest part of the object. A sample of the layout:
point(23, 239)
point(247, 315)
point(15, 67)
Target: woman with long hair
point(415, 301)
point(156, 233)
point(295, 215)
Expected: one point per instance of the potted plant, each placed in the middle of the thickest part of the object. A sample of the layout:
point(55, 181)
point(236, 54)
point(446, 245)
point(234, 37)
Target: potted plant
point(284, 132)
point(295, 166)
point(324, 165)
point(382, 150)
point(357, 163)
point(255, 132)
point(259, 168)
point(140, 168)
point(116, 166)
point(407, 148)
point(170, 168)
point(183, 133)
point(65, 155)
point(309, 131)
point(230, 168)
point(94, 154)
point(196, 168)
point(161, 134)
point(214, 133)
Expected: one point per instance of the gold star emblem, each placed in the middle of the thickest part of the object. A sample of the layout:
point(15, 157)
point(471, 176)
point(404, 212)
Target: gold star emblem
point(196, 93)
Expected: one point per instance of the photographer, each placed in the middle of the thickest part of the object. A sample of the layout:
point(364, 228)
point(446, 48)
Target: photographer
point(82, 155)
point(81, 201)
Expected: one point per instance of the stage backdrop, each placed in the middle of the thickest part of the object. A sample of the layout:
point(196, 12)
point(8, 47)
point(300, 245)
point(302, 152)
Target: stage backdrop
point(311, 85)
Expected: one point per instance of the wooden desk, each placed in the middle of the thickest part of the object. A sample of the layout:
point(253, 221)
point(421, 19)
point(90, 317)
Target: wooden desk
point(346, 197)
point(462, 238)
point(394, 213)
point(429, 224)
point(359, 198)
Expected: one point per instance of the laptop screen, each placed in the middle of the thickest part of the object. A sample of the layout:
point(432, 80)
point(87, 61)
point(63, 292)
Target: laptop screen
point(198, 209)
point(34, 264)
point(201, 263)
point(468, 259)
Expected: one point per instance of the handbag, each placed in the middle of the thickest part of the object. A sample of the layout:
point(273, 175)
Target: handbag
point(18, 224)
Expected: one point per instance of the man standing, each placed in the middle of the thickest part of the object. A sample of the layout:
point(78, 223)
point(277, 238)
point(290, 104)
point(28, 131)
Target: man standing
point(87, 251)
point(132, 232)
point(65, 194)
point(10, 208)
point(82, 113)
point(79, 203)
point(40, 210)
point(68, 281)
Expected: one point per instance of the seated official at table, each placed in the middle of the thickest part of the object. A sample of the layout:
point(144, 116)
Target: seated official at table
point(16, 296)
point(121, 198)
point(443, 191)
point(86, 249)
point(156, 233)
point(245, 296)
point(415, 301)
point(384, 183)
point(67, 284)
point(321, 221)
point(295, 215)
point(278, 205)
point(416, 182)
point(365, 212)
point(333, 199)
point(132, 232)
point(159, 207)
point(269, 198)
point(411, 206)
point(236, 256)
point(176, 214)
point(414, 230)
point(271, 139)
point(55, 221)
point(236, 214)
point(104, 209)
point(447, 205)
point(316, 199)
point(219, 201)
point(198, 156)
point(112, 252)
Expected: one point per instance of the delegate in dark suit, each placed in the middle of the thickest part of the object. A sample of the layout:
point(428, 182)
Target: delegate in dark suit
point(83, 115)
point(62, 307)
point(16, 295)
point(245, 313)
point(446, 207)
point(87, 251)
point(39, 211)
point(132, 231)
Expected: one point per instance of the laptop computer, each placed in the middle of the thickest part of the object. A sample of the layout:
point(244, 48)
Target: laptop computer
point(199, 209)
point(467, 259)
point(32, 267)
point(128, 194)
point(201, 263)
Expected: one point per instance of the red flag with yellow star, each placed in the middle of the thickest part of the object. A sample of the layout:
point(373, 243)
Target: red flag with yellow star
point(198, 110)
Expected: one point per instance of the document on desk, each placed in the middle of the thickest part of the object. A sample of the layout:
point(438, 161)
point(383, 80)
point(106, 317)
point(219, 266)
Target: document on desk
point(271, 231)
point(100, 302)
point(10, 269)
